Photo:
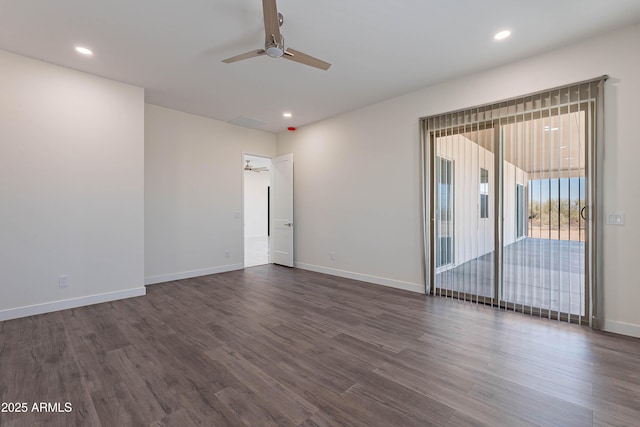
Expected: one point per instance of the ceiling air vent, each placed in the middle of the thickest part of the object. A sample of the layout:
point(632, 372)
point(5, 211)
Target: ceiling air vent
point(247, 122)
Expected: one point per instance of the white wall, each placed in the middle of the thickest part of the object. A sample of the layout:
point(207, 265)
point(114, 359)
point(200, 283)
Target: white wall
point(357, 174)
point(255, 203)
point(193, 193)
point(473, 236)
point(71, 187)
point(356, 193)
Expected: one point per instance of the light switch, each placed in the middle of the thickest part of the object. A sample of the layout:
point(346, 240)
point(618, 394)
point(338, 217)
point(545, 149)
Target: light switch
point(615, 218)
point(63, 281)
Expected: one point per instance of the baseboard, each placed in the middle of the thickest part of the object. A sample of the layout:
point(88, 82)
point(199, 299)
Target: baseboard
point(48, 307)
point(622, 328)
point(152, 280)
point(397, 284)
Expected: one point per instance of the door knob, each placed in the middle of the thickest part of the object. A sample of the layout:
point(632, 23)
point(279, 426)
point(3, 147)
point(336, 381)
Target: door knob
point(289, 224)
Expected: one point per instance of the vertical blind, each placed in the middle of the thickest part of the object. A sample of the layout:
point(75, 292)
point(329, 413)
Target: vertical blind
point(510, 203)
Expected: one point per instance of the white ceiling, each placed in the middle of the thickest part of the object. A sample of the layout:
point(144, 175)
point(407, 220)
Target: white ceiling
point(379, 48)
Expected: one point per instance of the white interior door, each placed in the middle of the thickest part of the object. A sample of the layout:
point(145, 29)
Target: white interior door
point(282, 210)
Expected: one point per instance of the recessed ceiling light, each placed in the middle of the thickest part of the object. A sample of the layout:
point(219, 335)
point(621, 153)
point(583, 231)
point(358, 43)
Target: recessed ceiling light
point(502, 35)
point(287, 115)
point(84, 51)
point(550, 129)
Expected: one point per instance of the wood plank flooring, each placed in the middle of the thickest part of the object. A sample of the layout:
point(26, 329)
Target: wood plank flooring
point(271, 345)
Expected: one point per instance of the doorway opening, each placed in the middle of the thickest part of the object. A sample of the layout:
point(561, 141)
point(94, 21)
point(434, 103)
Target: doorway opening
point(256, 202)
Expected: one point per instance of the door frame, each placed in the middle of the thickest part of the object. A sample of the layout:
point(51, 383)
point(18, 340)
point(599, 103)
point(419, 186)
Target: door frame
point(242, 206)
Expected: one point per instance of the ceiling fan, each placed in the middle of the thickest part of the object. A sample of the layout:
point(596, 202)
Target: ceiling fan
point(258, 169)
point(274, 41)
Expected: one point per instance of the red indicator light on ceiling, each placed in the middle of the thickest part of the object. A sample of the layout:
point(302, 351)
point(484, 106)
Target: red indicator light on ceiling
point(291, 129)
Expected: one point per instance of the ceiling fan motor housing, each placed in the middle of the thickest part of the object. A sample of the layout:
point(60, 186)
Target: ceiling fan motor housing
point(273, 50)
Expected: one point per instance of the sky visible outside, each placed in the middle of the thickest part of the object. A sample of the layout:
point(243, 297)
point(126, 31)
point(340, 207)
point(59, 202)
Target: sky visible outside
point(565, 188)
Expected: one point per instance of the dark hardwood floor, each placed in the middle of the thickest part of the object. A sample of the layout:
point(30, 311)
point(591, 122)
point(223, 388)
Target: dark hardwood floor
point(276, 346)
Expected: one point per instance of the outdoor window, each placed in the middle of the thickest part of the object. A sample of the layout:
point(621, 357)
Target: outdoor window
point(484, 193)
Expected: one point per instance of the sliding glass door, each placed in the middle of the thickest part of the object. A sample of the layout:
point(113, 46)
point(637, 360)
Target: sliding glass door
point(508, 192)
point(544, 269)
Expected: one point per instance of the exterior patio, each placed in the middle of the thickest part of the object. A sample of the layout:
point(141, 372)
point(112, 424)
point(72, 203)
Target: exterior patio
point(538, 273)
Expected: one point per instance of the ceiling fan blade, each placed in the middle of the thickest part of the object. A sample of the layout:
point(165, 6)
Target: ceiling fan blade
point(271, 20)
point(303, 58)
point(247, 55)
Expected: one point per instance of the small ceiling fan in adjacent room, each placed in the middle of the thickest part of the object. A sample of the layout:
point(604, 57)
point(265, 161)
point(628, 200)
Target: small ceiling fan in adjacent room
point(274, 41)
point(257, 169)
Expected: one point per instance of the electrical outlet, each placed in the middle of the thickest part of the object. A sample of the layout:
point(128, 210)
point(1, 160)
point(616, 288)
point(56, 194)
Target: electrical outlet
point(332, 256)
point(227, 253)
point(63, 281)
